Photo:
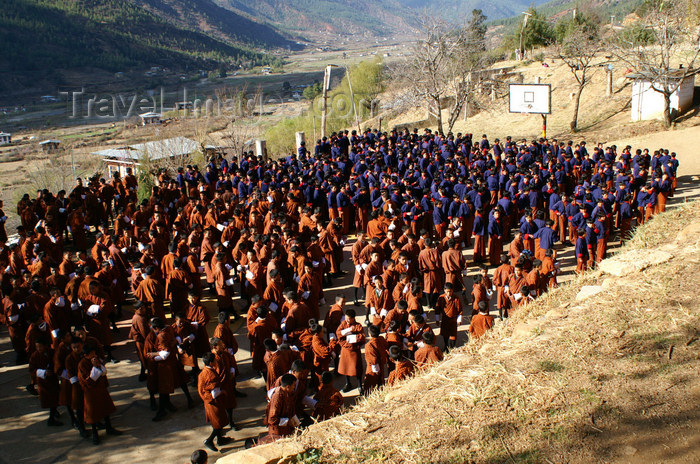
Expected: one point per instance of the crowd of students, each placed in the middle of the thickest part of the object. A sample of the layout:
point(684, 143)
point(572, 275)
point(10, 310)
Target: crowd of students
point(407, 205)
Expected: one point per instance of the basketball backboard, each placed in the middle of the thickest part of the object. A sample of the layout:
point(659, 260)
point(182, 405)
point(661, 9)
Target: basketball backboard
point(530, 98)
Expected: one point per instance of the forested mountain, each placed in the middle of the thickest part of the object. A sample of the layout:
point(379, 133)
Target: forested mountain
point(604, 9)
point(373, 17)
point(459, 11)
point(116, 35)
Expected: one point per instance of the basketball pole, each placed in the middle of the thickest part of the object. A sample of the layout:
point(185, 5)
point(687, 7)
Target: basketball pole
point(544, 126)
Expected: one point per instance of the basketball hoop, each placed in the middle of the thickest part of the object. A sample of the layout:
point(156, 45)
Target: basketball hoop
point(529, 99)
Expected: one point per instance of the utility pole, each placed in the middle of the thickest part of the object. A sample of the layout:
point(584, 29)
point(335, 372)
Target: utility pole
point(72, 162)
point(522, 31)
point(326, 87)
point(352, 95)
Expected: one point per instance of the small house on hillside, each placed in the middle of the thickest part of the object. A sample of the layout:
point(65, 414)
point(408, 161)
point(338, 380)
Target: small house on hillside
point(150, 118)
point(5, 138)
point(648, 104)
point(50, 146)
point(118, 159)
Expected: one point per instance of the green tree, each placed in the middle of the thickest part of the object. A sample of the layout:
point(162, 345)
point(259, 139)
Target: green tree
point(312, 91)
point(583, 23)
point(538, 31)
point(367, 84)
point(477, 28)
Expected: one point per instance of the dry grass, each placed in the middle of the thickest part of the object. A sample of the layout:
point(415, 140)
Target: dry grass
point(553, 383)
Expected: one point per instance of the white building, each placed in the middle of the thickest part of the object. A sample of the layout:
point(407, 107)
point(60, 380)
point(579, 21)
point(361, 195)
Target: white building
point(118, 159)
point(50, 146)
point(5, 138)
point(648, 104)
point(150, 118)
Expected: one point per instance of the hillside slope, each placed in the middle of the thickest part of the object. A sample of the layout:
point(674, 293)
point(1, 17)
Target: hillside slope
point(42, 36)
point(611, 377)
point(211, 19)
point(601, 119)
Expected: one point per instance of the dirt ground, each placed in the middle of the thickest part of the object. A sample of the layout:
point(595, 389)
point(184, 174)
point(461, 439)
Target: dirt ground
point(22, 421)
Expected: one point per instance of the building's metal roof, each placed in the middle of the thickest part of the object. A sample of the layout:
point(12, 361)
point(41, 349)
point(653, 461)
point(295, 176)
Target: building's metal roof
point(159, 149)
point(654, 75)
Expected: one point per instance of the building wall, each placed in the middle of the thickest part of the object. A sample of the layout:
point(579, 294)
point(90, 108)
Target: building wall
point(648, 104)
point(120, 168)
point(686, 94)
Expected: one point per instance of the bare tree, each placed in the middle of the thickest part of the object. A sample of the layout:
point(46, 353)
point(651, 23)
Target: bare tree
point(241, 108)
point(240, 134)
point(668, 50)
point(439, 67)
point(468, 58)
point(58, 171)
point(578, 50)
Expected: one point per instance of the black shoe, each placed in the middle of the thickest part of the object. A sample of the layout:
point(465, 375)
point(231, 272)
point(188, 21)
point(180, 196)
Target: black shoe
point(115, 330)
point(84, 433)
point(95, 439)
point(32, 389)
point(249, 443)
point(75, 424)
point(154, 406)
point(221, 441)
point(357, 303)
point(210, 444)
point(143, 377)
point(171, 407)
point(190, 403)
point(54, 423)
point(234, 426)
point(348, 388)
point(160, 415)
point(113, 431)
point(239, 394)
